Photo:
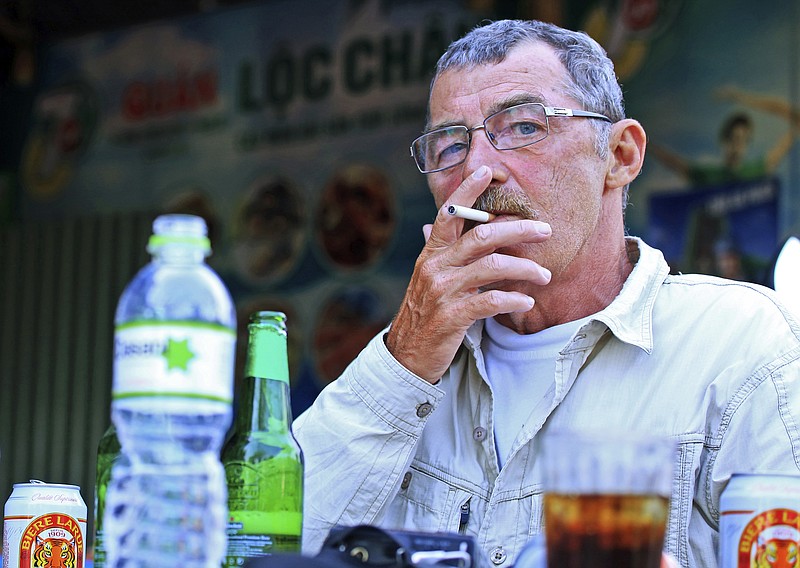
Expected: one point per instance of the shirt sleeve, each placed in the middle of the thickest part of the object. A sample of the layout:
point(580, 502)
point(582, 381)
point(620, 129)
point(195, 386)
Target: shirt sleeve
point(358, 439)
point(759, 430)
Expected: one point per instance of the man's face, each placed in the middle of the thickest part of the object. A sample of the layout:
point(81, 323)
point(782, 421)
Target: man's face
point(735, 146)
point(560, 178)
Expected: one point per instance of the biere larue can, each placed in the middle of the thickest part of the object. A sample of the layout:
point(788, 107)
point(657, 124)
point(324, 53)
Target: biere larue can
point(760, 521)
point(44, 524)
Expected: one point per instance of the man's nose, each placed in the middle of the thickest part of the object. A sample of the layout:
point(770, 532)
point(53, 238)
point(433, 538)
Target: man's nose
point(481, 152)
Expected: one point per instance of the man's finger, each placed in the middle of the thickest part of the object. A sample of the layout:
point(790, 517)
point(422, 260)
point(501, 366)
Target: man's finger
point(471, 188)
point(668, 561)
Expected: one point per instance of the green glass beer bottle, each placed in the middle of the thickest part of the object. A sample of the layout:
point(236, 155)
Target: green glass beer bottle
point(108, 451)
point(263, 462)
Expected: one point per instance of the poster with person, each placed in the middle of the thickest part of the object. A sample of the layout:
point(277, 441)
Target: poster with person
point(721, 183)
point(290, 135)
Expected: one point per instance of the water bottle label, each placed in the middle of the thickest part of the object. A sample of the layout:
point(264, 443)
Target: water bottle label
point(177, 361)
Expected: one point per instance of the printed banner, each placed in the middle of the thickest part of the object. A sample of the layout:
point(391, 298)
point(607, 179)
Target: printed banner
point(289, 134)
point(728, 230)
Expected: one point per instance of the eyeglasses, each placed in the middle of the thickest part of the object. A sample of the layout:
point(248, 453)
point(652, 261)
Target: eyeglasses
point(511, 128)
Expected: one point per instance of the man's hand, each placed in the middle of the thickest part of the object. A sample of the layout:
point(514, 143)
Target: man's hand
point(445, 294)
point(668, 561)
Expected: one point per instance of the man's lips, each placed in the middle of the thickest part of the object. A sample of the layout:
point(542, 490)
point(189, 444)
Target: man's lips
point(505, 217)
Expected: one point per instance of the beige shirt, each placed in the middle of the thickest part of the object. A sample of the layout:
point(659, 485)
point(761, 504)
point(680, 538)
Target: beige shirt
point(715, 364)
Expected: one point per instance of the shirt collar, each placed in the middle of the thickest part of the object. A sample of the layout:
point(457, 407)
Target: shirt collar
point(630, 315)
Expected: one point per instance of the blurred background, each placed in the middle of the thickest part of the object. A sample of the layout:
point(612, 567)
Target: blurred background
point(286, 125)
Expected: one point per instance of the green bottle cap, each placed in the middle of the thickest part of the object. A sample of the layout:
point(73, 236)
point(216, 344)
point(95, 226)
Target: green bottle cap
point(266, 349)
point(189, 230)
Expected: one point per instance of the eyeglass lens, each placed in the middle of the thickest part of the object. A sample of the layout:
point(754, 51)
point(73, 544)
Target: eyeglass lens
point(510, 128)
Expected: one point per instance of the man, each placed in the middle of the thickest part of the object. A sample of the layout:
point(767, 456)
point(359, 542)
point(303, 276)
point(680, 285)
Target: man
point(547, 317)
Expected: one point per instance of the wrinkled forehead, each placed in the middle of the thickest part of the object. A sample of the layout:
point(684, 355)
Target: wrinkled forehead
point(531, 71)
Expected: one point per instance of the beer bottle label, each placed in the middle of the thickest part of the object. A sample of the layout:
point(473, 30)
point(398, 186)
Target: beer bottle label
point(188, 363)
point(264, 362)
point(243, 546)
point(265, 507)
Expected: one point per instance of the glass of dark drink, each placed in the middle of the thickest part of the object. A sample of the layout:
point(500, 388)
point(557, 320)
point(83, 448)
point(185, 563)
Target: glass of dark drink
point(606, 498)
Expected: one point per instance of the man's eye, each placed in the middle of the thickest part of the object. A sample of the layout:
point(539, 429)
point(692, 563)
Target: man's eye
point(451, 150)
point(524, 128)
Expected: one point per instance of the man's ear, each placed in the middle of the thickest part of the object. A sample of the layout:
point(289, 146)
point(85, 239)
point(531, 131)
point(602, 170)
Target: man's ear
point(626, 145)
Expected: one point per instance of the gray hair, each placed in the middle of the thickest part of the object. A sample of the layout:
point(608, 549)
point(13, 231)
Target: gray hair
point(591, 77)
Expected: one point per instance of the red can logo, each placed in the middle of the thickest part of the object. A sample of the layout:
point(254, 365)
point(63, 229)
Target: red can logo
point(54, 540)
point(771, 540)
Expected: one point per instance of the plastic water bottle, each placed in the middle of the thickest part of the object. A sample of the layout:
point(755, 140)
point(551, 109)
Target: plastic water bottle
point(174, 345)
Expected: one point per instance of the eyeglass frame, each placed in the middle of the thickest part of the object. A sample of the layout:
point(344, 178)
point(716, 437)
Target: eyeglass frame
point(559, 112)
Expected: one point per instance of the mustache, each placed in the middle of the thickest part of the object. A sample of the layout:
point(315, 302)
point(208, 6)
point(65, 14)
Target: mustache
point(503, 201)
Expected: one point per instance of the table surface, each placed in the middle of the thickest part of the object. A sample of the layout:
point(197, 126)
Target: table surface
point(88, 563)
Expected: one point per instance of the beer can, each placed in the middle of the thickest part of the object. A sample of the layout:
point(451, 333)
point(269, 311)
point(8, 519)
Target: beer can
point(760, 521)
point(44, 524)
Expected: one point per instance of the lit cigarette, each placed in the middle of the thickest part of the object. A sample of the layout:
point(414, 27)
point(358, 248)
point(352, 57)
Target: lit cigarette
point(471, 214)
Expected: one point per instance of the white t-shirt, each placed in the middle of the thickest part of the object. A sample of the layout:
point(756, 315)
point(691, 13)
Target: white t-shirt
point(520, 369)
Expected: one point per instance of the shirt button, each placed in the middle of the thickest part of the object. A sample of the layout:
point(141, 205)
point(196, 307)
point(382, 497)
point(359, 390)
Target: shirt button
point(406, 480)
point(479, 433)
point(498, 556)
point(424, 409)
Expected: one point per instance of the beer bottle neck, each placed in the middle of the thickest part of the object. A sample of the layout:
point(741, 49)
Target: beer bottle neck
point(265, 400)
point(264, 406)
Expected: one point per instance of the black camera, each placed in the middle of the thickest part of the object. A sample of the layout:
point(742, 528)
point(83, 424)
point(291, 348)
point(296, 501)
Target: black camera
point(367, 546)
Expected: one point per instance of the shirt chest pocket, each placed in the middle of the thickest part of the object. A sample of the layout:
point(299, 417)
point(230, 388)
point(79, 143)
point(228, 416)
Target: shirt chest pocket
point(429, 504)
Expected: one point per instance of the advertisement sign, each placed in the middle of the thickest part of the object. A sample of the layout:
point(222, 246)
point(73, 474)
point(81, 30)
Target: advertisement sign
point(728, 230)
point(288, 134)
